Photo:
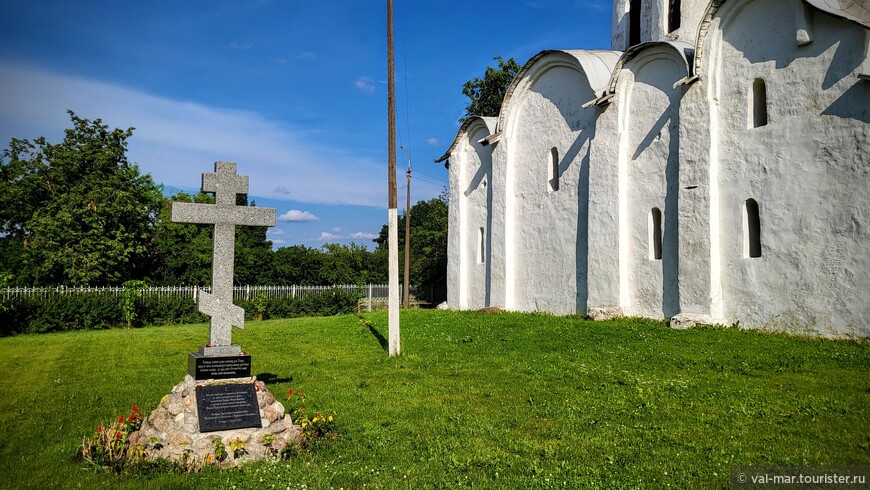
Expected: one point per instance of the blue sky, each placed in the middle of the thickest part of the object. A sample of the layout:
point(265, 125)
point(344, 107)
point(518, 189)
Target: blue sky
point(294, 92)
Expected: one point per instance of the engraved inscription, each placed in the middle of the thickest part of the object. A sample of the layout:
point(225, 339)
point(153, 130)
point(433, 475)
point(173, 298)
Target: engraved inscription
point(204, 367)
point(225, 407)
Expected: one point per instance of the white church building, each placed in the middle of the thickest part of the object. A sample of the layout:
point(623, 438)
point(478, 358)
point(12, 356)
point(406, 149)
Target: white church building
point(714, 167)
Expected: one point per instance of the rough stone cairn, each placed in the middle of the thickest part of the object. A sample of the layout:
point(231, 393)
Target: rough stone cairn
point(171, 431)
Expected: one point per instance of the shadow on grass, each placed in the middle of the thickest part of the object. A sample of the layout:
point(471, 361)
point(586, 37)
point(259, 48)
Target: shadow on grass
point(270, 378)
point(381, 339)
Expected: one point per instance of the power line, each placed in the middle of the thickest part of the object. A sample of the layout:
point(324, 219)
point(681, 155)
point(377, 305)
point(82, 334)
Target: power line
point(432, 176)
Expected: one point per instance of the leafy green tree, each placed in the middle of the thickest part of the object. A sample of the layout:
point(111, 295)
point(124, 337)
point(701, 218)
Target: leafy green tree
point(297, 264)
point(344, 264)
point(77, 212)
point(182, 252)
point(428, 243)
point(254, 259)
point(487, 94)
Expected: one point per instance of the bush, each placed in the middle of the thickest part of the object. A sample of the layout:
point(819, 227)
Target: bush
point(84, 311)
point(168, 310)
point(90, 311)
point(328, 303)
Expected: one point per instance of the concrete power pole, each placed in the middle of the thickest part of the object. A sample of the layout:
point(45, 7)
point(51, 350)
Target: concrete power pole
point(393, 234)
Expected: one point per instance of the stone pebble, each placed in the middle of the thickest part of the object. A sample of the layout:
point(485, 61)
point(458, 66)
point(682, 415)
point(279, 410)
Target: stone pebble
point(171, 431)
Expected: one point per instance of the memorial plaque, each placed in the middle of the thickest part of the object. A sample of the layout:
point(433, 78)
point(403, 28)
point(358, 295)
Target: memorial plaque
point(218, 367)
point(229, 406)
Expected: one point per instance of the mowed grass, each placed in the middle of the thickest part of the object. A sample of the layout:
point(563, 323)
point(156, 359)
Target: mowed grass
point(493, 401)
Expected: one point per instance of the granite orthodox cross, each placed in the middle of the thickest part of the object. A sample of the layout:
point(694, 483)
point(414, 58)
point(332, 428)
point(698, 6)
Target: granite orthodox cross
point(225, 216)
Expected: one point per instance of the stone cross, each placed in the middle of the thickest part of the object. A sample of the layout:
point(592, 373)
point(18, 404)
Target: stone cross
point(225, 216)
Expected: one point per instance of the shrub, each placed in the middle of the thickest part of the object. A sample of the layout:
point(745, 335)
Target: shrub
point(110, 447)
point(90, 311)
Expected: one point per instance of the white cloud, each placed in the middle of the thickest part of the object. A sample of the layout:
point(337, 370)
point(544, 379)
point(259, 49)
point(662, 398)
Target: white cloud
point(176, 141)
point(433, 142)
point(362, 234)
point(279, 242)
point(238, 45)
point(305, 55)
point(275, 231)
point(337, 229)
point(365, 85)
point(297, 215)
point(325, 235)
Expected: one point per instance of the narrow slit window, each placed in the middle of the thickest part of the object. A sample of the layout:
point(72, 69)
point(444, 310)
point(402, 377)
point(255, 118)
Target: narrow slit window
point(655, 234)
point(674, 15)
point(751, 230)
point(553, 170)
point(634, 22)
point(758, 104)
point(482, 257)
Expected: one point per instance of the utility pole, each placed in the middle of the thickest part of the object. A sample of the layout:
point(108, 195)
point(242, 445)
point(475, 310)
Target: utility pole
point(408, 238)
point(393, 234)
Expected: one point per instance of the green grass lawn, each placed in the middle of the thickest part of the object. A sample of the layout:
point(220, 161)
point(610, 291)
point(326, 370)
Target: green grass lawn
point(508, 400)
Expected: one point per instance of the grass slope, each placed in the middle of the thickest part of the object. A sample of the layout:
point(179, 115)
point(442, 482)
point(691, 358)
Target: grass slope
point(508, 400)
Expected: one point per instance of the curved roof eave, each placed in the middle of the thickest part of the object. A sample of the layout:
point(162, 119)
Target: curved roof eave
point(596, 64)
point(683, 49)
point(857, 11)
point(488, 122)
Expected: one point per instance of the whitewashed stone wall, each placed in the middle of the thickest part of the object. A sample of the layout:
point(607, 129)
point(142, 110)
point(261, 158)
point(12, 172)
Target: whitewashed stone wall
point(471, 197)
point(649, 163)
point(679, 129)
point(807, 168)
point(654, 21)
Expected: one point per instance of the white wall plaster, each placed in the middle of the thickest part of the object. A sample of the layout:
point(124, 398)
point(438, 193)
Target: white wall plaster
point(692, 152)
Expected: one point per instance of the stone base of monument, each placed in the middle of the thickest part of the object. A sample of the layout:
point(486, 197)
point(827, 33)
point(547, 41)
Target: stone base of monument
point(238, 409)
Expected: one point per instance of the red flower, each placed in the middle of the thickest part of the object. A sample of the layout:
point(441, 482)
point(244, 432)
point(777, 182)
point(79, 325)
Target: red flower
point(117, 435)
point(290, 392)
point(121, 419)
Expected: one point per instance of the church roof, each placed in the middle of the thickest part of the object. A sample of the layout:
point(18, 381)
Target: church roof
point(854, 10)
point(684, 50)
point(596, 64)
point(488, 122)
point(857, 11)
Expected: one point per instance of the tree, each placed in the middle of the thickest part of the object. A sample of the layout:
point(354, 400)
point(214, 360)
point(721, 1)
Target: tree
point(487, 95)
point(183, 251)
point(297, 264)
point(428, 245)
point(76, 213)
point(253, 262)
point(344, 264)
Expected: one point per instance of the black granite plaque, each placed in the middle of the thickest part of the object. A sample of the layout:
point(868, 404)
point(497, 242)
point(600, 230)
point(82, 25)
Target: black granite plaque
point(229, 406)
point(220, 367)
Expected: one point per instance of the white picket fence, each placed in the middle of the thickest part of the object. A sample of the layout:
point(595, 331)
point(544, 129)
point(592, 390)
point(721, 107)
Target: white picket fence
point(371, 294)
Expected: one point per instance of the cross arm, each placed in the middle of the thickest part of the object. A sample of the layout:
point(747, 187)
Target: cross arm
point(188, 212)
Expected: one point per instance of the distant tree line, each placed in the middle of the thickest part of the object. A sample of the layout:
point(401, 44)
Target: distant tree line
point(78, 213)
